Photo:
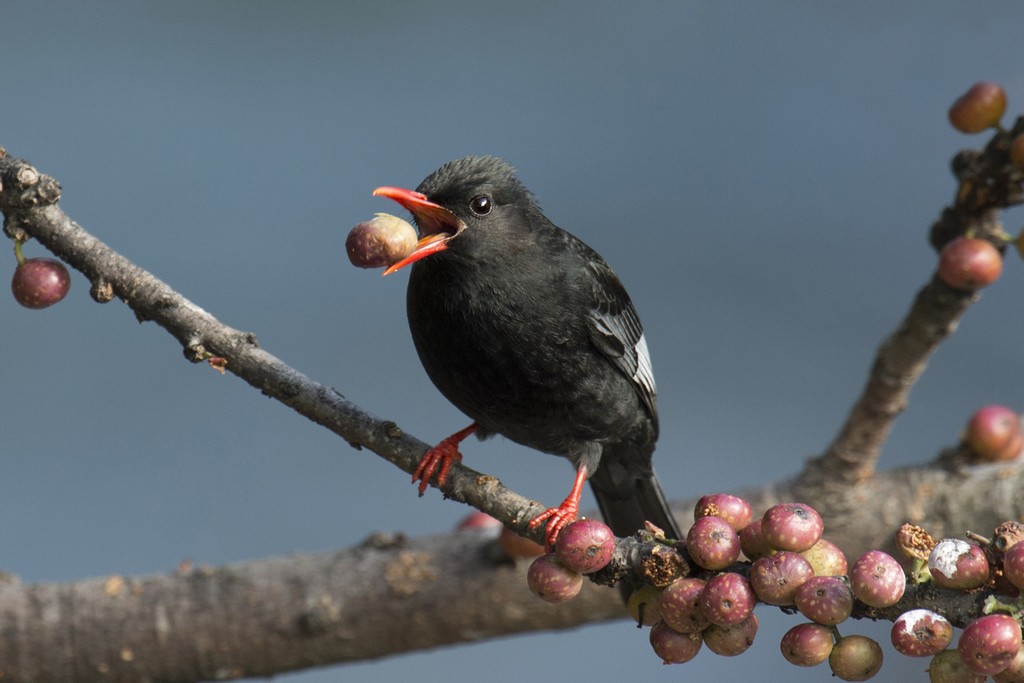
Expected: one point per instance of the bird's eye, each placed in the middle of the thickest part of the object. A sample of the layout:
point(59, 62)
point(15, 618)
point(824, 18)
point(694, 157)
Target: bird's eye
point(480, 205)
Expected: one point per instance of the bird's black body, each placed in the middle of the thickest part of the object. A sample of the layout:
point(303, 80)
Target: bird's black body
point(529, 332)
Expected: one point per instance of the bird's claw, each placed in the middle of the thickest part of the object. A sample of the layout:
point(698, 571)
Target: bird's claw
point(557, 519)
point(438, 460)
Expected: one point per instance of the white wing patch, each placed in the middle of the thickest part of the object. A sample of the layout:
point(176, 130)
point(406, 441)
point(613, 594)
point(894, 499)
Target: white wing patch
point(644, 375)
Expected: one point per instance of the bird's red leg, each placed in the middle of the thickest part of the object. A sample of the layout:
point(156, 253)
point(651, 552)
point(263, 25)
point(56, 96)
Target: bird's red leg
point(563, 514)
point(439, 459)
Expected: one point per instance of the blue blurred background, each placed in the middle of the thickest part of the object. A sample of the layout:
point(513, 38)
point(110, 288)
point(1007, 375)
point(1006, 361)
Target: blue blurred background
point(762, 176)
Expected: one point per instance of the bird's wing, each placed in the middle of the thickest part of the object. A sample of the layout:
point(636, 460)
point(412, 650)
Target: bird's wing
point(616, 331)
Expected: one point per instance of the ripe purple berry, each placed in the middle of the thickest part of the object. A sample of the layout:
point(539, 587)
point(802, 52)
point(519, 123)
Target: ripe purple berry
point(855, 658)
point(1013, 565)
point(807, 644)
point(674, 647)
point(921, 633)
point(40, 282)
point(713, 543)
point(877, 579)
point(958, 564)
point(585, 546)
point(727, 599)
point(791, 526)
point(680, 606)
point(732, 509)
point(990, 643)
point(825, 600)
point(752, 543)
point(552, 582)
point(775, 578)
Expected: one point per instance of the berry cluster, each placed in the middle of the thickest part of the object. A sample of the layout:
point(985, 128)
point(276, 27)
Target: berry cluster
point(788, 564)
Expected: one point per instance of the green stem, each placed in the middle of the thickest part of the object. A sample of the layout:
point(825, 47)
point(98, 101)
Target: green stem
point(17, 252)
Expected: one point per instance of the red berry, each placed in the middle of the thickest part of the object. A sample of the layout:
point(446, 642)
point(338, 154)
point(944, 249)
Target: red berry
point(479, 521)
point(947, 667)
point(1013, 565)
point(807, 644)
point(552, 582)
point(877, 579)
point(752, 542)
point(791, 526)
point(727, 599)
point(775, 578)
point(979, 108)
point(994, 433)
point(585, 545)
point(379, 242)
point(516, 547)
point(958, 564)
point(921, 633)
point(713, 543)
point(855, 658)
point(990, 643)
point(824, 599)
point(729, 641)
point(40, 282)
point(674, 647)
point(969, 263)
point(644, 605)
point(826, 558)
point(680, 606)
point(732, 509)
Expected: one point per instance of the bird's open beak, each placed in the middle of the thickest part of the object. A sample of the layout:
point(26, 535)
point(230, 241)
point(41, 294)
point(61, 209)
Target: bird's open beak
point(437, 224)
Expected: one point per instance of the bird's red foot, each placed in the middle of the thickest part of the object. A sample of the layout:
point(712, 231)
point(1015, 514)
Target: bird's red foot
point(560, 516)
point(438, 460)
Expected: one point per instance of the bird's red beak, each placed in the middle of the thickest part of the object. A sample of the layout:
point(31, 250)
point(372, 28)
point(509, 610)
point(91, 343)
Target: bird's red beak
point(437, 224)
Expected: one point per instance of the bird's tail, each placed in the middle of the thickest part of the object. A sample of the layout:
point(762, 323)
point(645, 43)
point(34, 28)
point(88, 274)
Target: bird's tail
point(629, 494)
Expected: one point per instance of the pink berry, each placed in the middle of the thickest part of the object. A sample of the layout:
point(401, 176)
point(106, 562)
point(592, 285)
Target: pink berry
point(979, 108)
point(674, 647)
point(958, 564)
point(481, 522)
point(824, 599)
point(752, 542)
point(791, 526)
point(826, 558)
point(729, 641)
point(727, 599)
point(40, 282)
point(807, 644)
point(921, 633)
point(585, 546)
point(1013, 565)
point(969, 263)
point(552, 582)
point(775, 578)
point(680, 606)
point(713, 543)
point(732, 509)
point(877, 579)
point(855, 658)
point(379, 242)
point(994, 434)
point(990, 643)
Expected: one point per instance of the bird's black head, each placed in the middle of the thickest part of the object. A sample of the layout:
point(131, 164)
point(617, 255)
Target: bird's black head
point(468, 198)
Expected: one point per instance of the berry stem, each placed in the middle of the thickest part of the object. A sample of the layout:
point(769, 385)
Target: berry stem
point(17, 252)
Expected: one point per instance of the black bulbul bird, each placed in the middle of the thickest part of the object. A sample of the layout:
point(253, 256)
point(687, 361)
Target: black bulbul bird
point(529, 332)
